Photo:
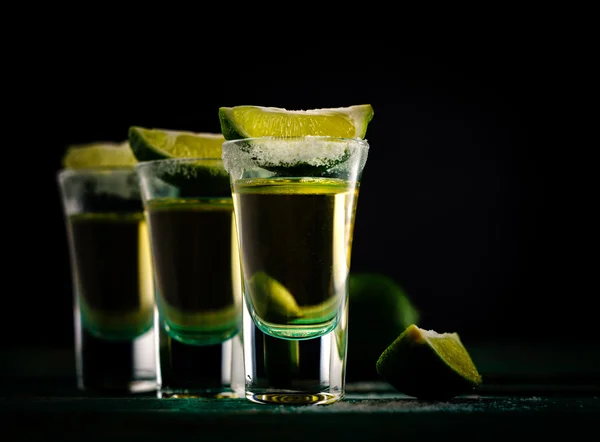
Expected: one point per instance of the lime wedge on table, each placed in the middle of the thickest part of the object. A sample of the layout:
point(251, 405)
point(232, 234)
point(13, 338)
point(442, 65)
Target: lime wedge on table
point(428, 365)
point(98, 154)
point(257, 121)
point(155, 144)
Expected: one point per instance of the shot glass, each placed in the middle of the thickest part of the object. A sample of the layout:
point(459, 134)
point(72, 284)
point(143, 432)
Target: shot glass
point(189, 211)
point(295, 202)
point(112, 280)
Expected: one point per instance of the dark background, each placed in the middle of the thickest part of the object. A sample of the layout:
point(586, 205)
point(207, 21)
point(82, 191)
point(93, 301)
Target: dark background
point(468, 199)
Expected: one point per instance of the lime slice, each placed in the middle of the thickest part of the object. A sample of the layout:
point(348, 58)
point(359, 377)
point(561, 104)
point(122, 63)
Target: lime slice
point(156, 144)
point(428, 365)
point(374, 295)
point(98, 154)
point(206, 178)
point(258, 121)
point(271, 300)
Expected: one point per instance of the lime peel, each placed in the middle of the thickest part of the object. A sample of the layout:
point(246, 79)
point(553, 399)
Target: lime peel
point(271, 297)
point(257, 121)
point(429, 365)
point(98, 154)
point(150, 144)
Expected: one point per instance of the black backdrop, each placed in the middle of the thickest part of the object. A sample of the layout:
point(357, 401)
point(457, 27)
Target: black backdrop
point(464, 201)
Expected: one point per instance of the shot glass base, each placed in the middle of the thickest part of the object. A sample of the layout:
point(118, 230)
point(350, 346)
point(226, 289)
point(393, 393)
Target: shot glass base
point(114, 368)
point(293, 398)
point(109, 389)
point(294, 372)
point(199, 371)
point(196, 394)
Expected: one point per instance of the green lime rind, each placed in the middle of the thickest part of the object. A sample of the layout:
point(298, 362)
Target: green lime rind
point(427, 365)
point(149, 144)
point(375, 295)
point(378, 295)
point(258, 121)
point(140, 147)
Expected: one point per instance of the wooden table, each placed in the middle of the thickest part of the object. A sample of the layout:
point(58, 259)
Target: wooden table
point(42, 404)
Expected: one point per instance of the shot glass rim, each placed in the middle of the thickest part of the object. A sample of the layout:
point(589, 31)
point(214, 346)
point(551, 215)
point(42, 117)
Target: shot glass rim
point(150, 163)
point(360, 141)
point(93, 171)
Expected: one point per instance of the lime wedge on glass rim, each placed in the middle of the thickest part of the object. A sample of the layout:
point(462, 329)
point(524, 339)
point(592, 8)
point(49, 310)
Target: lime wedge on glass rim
point(155, 144)
point(253, 122)
point(98, 154)
point(192, 178)
point(258, 121)
point(428, 365)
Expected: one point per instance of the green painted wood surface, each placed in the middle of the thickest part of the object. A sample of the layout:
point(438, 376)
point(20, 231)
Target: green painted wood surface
point(38, 401)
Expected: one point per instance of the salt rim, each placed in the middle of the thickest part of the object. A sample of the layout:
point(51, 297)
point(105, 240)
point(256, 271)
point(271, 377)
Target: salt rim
point(316, 151)
point(114, 182)
point(184, 167)
point(434, 334)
